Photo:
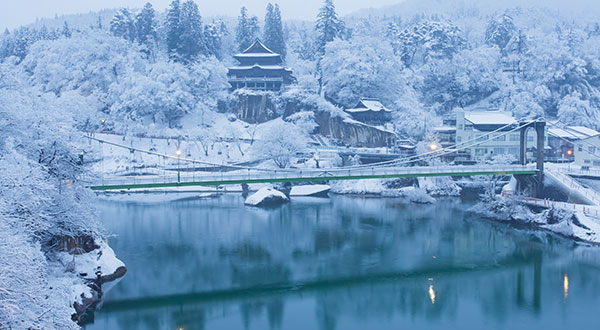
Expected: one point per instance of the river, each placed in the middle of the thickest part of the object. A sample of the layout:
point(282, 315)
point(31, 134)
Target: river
point(340, 263)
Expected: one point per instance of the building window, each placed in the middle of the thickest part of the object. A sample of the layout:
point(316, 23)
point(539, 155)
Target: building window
point(480, 151)
point(597, 163)
point(459, 139)
point(530, 139)
point(514, 137)
point(500, 138)
point(513, 151)
point(460, 126)
point(498, 151)
point(579, 149)
point(587, 161)
point(468, 127)
point(592, 149)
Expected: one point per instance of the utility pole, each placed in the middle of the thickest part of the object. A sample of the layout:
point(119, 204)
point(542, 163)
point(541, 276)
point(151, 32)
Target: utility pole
point(178, 152)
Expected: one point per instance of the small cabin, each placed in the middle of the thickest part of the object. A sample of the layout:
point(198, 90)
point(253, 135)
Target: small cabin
point(260, 69)
point(370, 111)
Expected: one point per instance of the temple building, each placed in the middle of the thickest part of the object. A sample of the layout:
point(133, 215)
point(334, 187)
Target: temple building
point(259, 69)
point(370, 111)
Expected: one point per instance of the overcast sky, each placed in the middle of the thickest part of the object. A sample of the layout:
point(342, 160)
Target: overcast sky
point(14, 13)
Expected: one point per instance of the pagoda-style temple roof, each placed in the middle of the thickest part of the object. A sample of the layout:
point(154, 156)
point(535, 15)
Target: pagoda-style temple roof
point(257, 49)
point(366, 105)
point(259, 68)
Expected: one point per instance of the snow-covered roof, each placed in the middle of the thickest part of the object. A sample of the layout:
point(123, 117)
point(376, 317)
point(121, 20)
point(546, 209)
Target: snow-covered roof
point(573, 132)
point(257, 49)
point(584, 130)
point(366, 104)
point(444, 128)
point(263, 67)
point(490, 117)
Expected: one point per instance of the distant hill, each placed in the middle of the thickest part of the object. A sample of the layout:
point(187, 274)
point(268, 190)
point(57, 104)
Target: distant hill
point(588, 9)
point(76, 20)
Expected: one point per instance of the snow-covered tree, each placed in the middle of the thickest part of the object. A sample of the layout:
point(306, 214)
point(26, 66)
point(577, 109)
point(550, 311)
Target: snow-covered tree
point(361, 67)
point(500, 31)
point(146, 26)
point(427, 41)
point(273, 30)
point(41, 198)
point(191, 40)
point(123, 25)
point(247, 29)
point(328, 27)
point(280, 142)
point(172, 27)
point(573, 110)
point(213, 37)
point(66, 31)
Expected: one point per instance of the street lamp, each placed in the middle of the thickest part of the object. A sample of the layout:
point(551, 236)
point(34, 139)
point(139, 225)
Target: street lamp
point(433, 147)
point(178, 153)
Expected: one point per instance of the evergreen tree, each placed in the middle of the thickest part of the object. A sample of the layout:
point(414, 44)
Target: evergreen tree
point(213, 37)
point(328, 26)
point(191, 40)
point(500, 31)
point(273, 31)
point(247, 29)
point(146, 25)
point(66, 31)
point(123, 25)
point(173, 29)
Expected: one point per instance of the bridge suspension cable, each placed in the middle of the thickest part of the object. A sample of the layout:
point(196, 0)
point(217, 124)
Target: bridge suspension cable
point(486, 137)
point(448, 150)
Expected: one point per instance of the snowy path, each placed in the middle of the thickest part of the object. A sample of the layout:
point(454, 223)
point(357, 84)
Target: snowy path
point(561, 175)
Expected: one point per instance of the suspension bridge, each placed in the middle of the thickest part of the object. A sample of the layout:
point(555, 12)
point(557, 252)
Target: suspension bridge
point(409, 167)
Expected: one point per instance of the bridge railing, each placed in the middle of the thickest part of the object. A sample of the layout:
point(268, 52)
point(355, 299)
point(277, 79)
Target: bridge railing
point(567, 180)
point(316, 174)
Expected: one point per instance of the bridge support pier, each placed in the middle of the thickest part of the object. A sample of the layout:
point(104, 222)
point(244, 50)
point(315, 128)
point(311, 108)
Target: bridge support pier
point(540, 130)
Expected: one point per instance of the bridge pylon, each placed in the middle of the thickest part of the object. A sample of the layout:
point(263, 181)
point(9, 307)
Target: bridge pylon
point(540, 129)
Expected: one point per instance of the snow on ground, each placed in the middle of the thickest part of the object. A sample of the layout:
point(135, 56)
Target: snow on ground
point(266, 196)
point(101, 260)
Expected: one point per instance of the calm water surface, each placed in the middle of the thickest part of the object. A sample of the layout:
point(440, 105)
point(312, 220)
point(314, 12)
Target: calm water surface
point(341, 263)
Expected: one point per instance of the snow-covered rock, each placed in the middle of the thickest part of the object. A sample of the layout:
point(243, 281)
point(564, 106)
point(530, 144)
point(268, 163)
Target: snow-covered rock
point(267, 197)
point(359, 187)
point(310, 190)
point(440, 186)
point(416, 195)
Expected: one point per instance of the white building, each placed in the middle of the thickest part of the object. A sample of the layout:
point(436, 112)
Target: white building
point(475, 125)
point(586, 147)
point(562, 142)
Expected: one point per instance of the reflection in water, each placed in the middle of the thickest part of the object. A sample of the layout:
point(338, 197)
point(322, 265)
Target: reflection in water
point(566, 285)
point(431, 293)
point(339, 263)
